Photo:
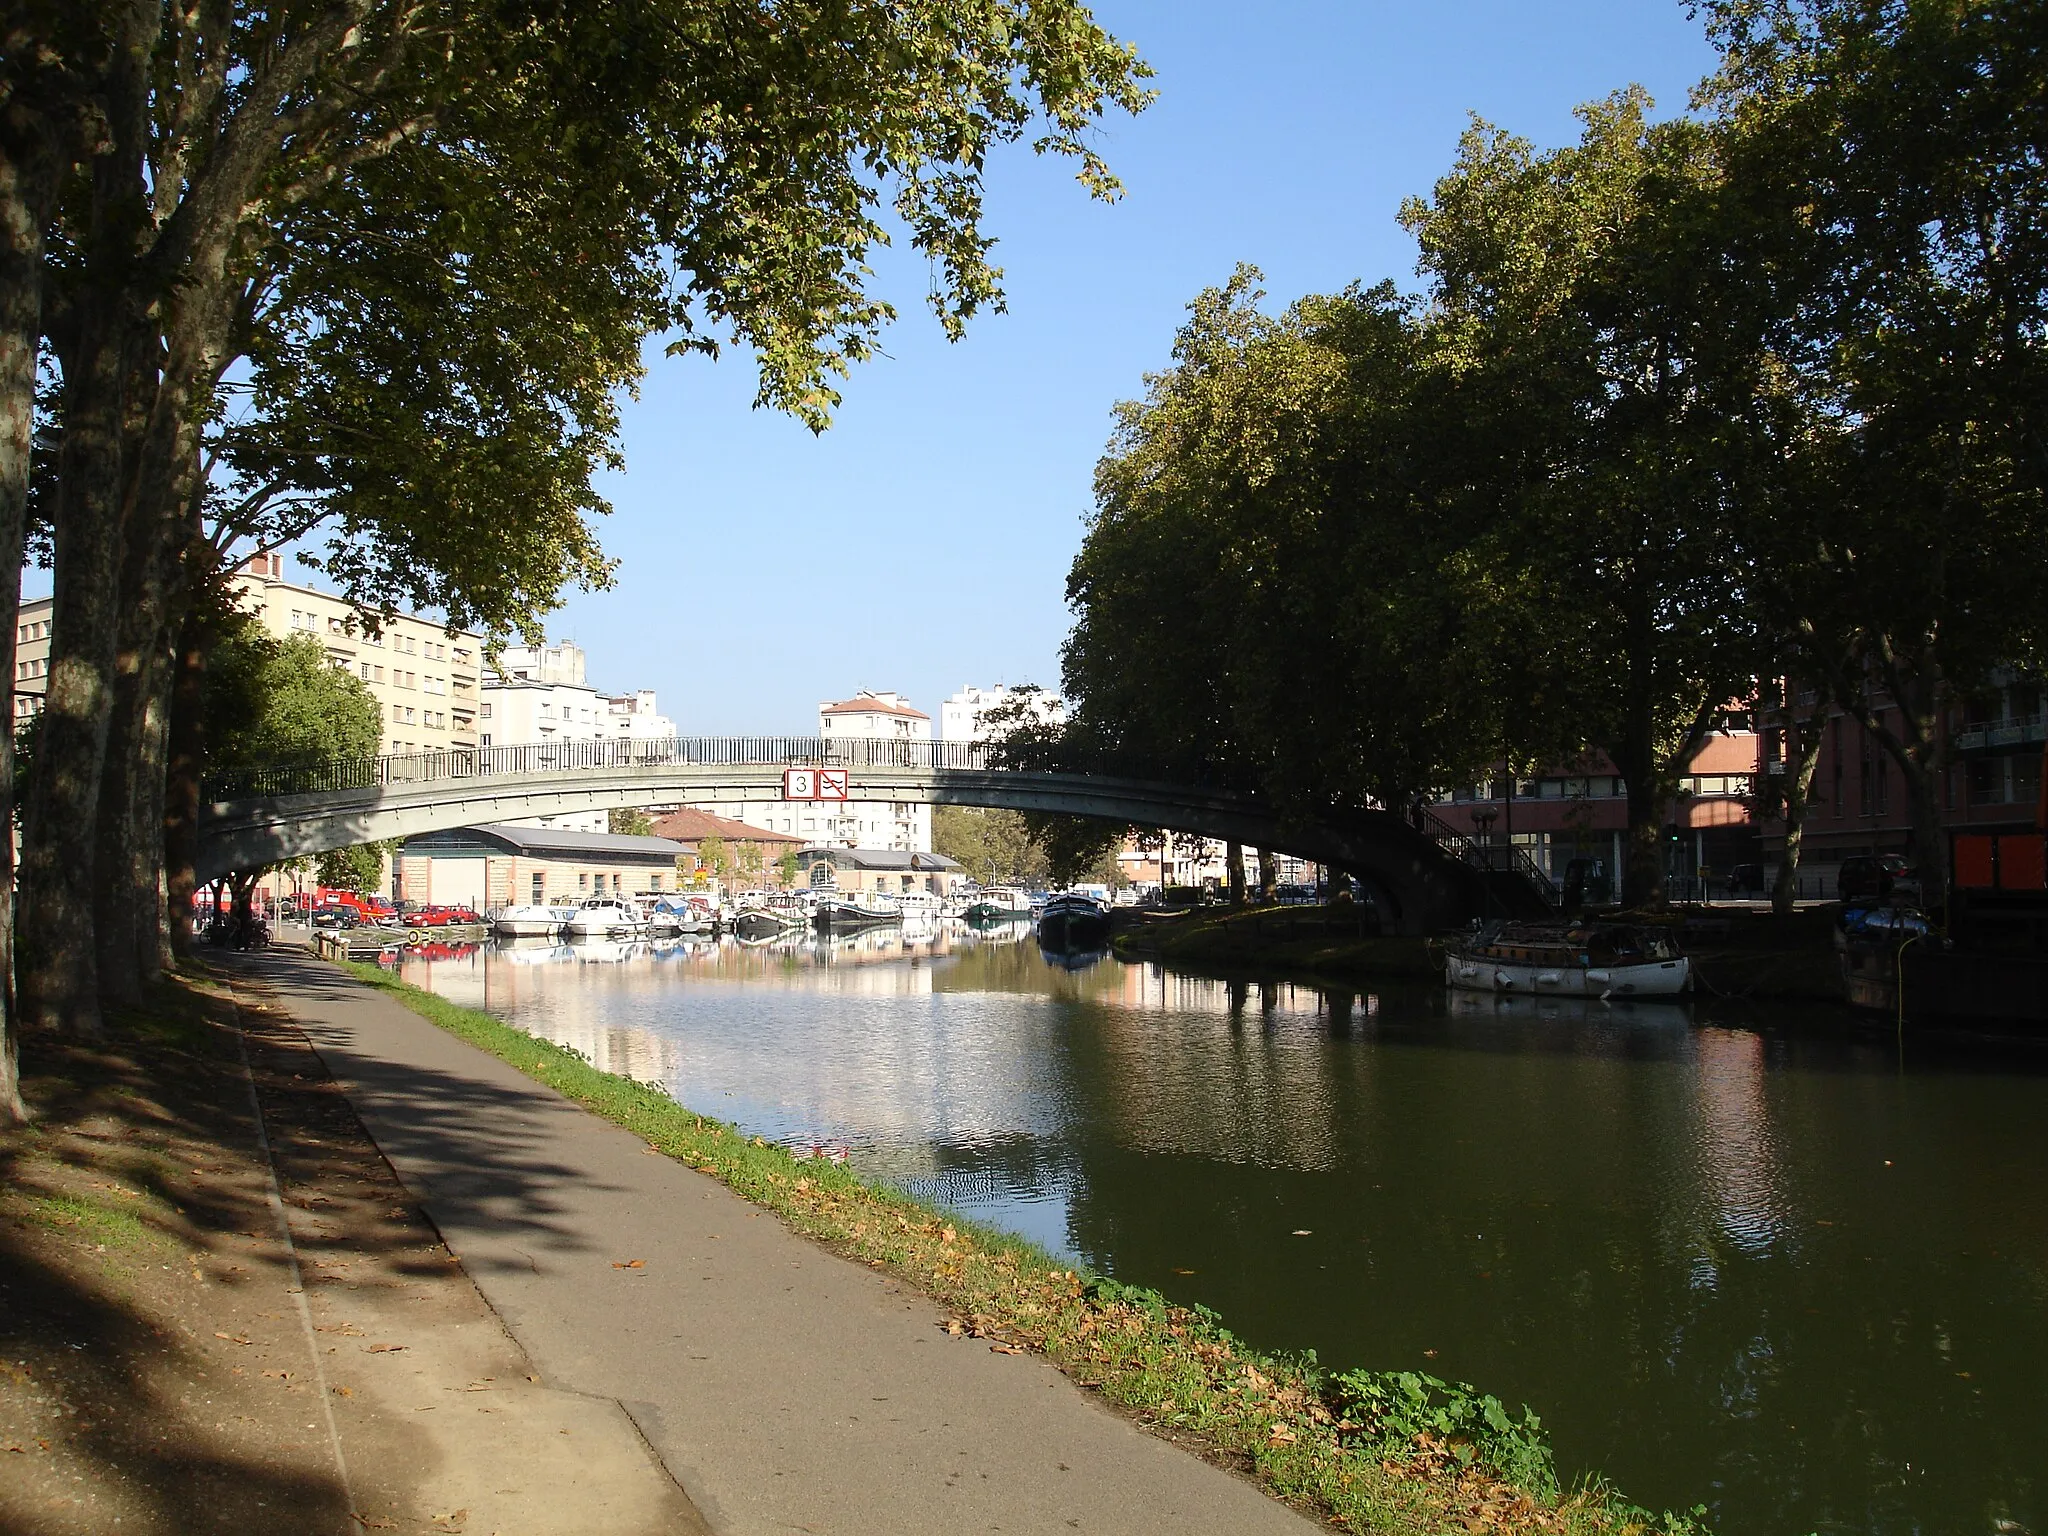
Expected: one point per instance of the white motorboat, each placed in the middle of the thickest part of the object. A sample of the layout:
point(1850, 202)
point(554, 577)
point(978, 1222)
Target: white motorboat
point(1605, 960)
point(602, 915)
point(530, 921)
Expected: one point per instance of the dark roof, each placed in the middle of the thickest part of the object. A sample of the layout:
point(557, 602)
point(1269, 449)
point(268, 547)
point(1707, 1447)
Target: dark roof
point(879, 858)
point(555, 842)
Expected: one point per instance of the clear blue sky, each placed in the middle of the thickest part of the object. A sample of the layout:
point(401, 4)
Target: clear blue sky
point(924, 541)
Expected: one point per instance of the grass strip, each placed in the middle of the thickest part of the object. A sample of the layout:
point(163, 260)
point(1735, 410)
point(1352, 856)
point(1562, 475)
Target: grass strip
point(1392, 1452)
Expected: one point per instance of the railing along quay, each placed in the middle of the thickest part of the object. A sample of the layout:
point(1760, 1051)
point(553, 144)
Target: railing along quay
point(854, 752)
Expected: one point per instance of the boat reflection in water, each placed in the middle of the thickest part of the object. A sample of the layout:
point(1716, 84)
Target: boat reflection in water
point(1513, 1008)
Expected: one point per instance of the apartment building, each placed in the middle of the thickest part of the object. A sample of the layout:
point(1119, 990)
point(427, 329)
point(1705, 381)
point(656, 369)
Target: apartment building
point(1580, 810)
point(963, 716)
point(541, 695)
point(31, 659)
point(426, 680)
point(1996, 752)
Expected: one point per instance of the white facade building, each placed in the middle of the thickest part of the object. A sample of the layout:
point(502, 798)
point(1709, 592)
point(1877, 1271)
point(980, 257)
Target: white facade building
point(539, 696)
point(872, 824)
point(961, 716)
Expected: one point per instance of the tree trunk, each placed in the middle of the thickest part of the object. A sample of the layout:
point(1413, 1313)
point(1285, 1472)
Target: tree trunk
point(108, 355)
point(1642, 870)
point(1269, 877)
point(1234, 857)
point(59, 974)
point(1797, 797)
point(1930, 848)
point(130, 925)
point(186, 752)
point(22, 215)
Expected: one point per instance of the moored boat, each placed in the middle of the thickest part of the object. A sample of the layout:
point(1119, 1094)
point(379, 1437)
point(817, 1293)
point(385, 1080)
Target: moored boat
point(602, 915)
point(844, 914)
point(1605, 960)
point(999, 904)
point(530, 921)
point(1071, 921)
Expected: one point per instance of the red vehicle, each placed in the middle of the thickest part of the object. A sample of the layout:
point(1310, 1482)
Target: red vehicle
point(439, 917)
point(368, 909)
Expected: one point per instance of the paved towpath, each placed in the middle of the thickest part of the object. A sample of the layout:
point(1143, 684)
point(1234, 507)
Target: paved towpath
point(784, 1388)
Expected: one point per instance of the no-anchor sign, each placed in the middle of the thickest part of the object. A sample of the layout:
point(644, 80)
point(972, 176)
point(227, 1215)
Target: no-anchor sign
point(814, 784)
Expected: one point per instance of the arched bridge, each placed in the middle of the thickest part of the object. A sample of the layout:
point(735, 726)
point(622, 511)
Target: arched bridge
point(1424, 879)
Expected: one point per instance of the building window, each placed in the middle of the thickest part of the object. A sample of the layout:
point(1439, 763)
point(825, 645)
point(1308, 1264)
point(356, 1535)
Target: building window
point(487, 711)
point(1883, 798)
point(583, 882)
point(537, 882)
point(366, 671)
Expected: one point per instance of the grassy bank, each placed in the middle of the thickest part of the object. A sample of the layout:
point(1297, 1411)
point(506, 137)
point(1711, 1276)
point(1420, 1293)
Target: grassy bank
point(1393, 1452)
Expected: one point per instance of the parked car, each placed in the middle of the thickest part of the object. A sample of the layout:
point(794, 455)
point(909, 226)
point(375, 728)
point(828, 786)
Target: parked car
point(1876, 877)
point(1746, 880)
point(428, 915)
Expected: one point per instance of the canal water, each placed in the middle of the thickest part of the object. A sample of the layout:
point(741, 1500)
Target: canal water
point(1764, 1262)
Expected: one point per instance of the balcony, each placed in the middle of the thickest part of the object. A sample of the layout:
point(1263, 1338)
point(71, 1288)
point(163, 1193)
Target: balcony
point(2002, 735)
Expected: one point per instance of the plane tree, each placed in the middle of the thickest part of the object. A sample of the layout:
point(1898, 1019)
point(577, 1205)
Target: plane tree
point(1582, 296)
point(733, 168)
point(1894, 206)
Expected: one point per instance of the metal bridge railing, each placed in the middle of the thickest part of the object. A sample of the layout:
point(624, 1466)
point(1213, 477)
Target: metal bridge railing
point(856, 752)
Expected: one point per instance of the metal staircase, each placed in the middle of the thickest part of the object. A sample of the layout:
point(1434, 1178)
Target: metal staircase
point(1515, 884)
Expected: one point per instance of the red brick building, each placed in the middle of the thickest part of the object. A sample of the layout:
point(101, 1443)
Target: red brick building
point(1581, 812)
point(1990, 793)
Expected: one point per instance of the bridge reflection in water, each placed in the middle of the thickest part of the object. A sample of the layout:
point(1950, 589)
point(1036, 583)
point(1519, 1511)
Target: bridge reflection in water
point(1755, 1263)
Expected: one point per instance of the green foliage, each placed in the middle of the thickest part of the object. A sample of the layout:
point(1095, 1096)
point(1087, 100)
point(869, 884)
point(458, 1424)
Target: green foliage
point(357, 869)
point(787, 867)
point(991, 845)
point(270, 701)
point(1683, 405)
point(1265, 598)
point(1396, 1409)
point(454, 280)
point(713, 857)
point(629, 821)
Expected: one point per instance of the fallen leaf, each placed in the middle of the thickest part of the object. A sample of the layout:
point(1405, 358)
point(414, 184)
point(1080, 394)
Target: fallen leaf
point(231, 1338)
point(1004, 1349)
point(1304, 1232)
point(1183, 1271)
point(344, 1392)
point(452, 1522)
point(629, 1263)
point(385, 1349)
point(19, 1450)
point(1282, 1435)
point(375, 1525)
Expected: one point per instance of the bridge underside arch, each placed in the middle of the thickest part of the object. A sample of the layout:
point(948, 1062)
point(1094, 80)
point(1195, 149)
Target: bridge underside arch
point(1427, 890)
